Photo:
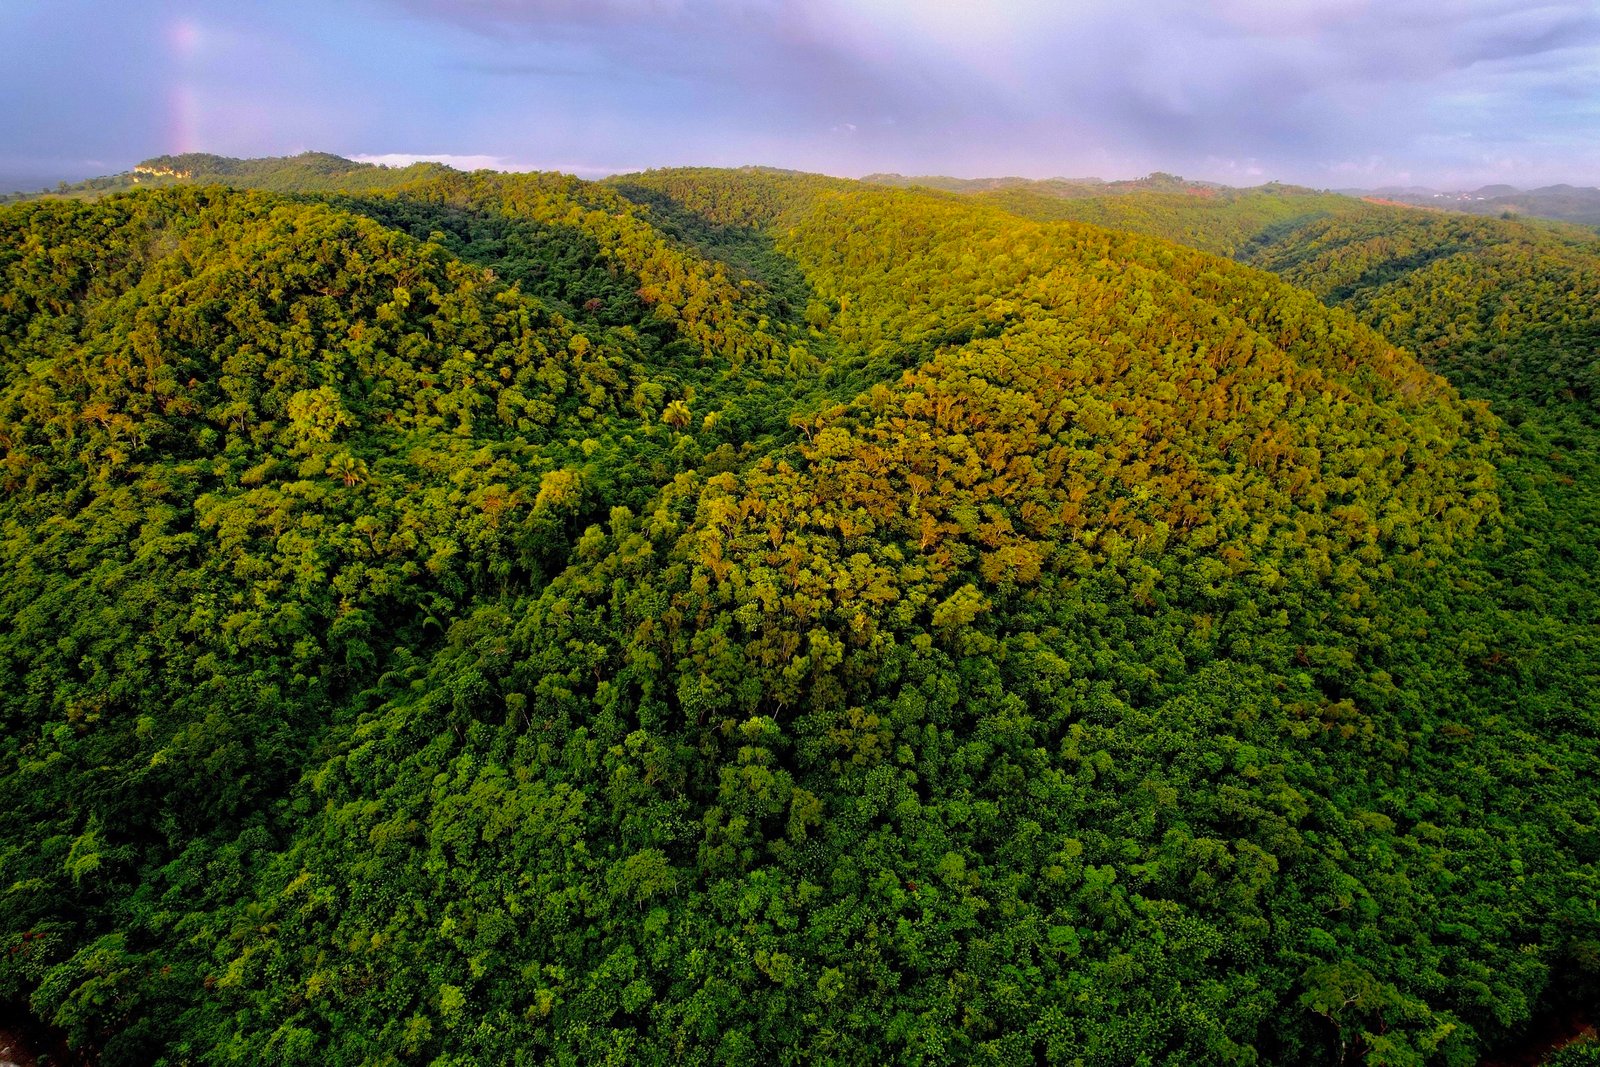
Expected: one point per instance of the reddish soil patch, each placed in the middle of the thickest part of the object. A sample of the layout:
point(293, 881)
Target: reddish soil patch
point(14, 1049)
point(1551, 1036)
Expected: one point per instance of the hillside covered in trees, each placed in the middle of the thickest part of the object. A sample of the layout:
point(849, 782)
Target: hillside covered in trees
point(306, 172)
point(746, 617)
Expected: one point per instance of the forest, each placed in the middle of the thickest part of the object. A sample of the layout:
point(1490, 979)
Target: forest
point(745, 617)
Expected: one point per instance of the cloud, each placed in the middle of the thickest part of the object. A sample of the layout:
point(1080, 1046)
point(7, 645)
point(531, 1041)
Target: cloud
point(1166, 82)
point(1448, 88)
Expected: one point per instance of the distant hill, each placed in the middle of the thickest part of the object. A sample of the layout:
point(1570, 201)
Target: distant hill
point(1566, 203)
point(307, 172)
point(1157, 181)
point(28, 181)
point(1215, 218)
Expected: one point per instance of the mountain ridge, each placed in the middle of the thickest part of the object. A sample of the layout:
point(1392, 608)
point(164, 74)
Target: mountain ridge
point(1561, 202)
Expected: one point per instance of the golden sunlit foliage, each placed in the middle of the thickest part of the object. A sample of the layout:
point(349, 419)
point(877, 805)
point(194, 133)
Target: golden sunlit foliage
point(748, 617)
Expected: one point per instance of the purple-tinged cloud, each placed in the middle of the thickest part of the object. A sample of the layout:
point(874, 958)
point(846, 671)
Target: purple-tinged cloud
point(1326, 92)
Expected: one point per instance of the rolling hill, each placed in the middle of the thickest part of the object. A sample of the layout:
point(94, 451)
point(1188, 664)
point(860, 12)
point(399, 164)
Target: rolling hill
point(743, 616)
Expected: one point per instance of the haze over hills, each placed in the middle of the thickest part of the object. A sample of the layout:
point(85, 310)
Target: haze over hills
point(1065, 187)
point(32, 181)
point(745, 616)
point(1565, 203)
point(1568, 203)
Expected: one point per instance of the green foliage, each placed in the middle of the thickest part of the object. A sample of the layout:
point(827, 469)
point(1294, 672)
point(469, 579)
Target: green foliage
point(1506, 309)
point(319, 171)
point(745, 617)
point(1209, 217)
point(1580, 1053)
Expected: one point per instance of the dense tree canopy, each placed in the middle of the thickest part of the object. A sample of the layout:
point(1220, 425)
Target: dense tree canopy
point(747, 617)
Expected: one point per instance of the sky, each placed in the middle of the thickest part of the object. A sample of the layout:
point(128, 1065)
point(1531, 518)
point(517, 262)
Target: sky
point(1328, 93)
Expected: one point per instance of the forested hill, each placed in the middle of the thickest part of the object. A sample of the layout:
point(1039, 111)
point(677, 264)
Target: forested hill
point(1499, 306)
point(306, 172)
point(749, 617)
point(1504, 308)
point(1076, 188)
